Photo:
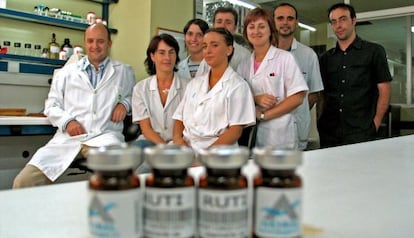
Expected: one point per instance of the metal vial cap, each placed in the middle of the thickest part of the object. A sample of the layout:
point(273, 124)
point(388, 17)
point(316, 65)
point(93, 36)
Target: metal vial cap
point(224, 157)
point(113, 158)
point(276, 158)
point(169, 156)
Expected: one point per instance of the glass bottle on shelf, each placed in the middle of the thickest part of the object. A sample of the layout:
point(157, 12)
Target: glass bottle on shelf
point(37, 51)
point(54, 48)
point(28, 49)
point(17, 48)
point(67, 47)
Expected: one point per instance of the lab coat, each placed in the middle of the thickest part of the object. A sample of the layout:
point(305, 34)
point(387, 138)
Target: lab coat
point(183, 69)
point(72, 96)
point(146, 103)
point(279, 76)
point(206, 114)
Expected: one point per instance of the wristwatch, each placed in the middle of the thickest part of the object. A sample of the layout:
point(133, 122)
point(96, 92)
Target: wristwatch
point(261, 116)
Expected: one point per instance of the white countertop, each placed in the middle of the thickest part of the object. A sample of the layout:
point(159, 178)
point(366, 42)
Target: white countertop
point(23, 120)
point(357, 191)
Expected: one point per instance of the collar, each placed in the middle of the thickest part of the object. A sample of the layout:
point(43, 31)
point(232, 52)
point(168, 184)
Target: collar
point(87, 64)
point(357, 44)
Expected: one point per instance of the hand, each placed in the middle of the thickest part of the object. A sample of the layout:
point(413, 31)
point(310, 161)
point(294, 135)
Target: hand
point(119, 113)
point(266, 101)
point(74, 128)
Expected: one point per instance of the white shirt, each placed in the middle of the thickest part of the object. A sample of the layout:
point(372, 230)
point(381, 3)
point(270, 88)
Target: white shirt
point(206, 114)
point(72, 95)
point(308, 62)
point(278, 75)
point(146, 103)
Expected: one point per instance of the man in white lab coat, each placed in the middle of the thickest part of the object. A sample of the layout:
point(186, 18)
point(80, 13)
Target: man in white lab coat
point(87, 102)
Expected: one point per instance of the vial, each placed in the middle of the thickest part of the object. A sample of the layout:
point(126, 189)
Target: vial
point(6, 44)
point(277, 194)
point(28, 49)
point(17, 48)
point(115, 208)
point(169, 203)
point(37, 51)
point(223, 193)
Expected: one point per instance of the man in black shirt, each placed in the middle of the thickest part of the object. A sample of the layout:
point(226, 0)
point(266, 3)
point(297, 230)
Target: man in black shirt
point(357, 84)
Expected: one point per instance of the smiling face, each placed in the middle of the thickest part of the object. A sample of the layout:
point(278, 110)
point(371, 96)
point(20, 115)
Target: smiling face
point(97, 43)
point(194, 39)
point(164, 57)
point(258, 32)
point(285, 20)
point(215, 49)
point(225, 20)
point(342, 24)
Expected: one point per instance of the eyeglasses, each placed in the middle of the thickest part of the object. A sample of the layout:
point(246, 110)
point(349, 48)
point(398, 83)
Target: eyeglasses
point(340, 20)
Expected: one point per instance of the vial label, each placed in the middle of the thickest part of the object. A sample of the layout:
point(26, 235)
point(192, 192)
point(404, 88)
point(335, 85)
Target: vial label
point(54, 49)
point(278, 212)
point(169, 212)
point(115, 213)
point(223, 213)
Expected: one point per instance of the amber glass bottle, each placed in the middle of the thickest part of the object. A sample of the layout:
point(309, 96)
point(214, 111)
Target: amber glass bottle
point(223, 193)
point(114, 193)
point(169, 203)
point(277, 194)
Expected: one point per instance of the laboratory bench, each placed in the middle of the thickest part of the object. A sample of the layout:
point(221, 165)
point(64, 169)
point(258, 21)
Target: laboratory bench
point(363, 190)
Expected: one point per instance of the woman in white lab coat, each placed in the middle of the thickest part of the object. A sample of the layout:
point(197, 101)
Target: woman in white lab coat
point(218, 105)
point(156, 98)
point(276, 80)
point(194, 31)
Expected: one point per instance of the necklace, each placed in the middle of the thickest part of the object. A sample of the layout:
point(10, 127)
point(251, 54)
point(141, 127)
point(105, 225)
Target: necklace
point(165, 90)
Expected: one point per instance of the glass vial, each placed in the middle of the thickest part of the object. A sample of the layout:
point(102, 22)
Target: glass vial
point(114, 192)
point(223, 193)
point(28, 49)
point(277, 194)
point(54, 48)
point(17, 49)
point(169, 203)
point(6, 44)
point(37, 51)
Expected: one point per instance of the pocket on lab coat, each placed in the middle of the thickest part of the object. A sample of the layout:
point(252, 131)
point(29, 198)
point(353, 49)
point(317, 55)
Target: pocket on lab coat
point(279, 132)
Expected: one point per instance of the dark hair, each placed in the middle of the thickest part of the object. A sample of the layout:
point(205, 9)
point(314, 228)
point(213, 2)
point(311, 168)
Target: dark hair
point(285, 4)
point(203, 25)
point(228, 38)
point(348, 7)
point(100, 24)
point(153, 46)
point(255, 14)
point(226, 10)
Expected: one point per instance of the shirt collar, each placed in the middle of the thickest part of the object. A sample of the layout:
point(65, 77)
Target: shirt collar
point(357, 44)
point(87, 64)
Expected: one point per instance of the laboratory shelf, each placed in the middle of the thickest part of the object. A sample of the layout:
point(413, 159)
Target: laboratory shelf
point(46, 20)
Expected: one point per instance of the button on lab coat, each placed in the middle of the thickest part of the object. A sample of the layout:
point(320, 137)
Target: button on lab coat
point(72, 96)
point(278, 75)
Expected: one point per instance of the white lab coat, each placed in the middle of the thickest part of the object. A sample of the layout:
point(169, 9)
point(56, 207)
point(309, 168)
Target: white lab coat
point(206, 114)
point(183, 69)
point(72, 96)
point(146, 103)
point(279, 76)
